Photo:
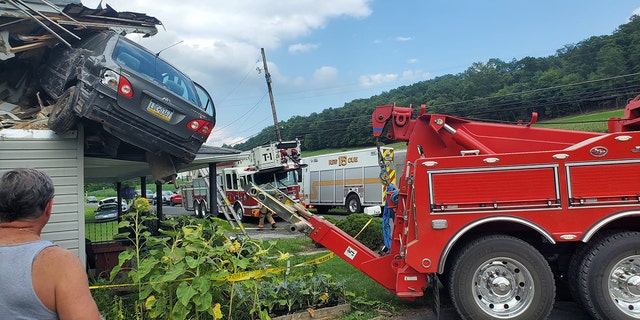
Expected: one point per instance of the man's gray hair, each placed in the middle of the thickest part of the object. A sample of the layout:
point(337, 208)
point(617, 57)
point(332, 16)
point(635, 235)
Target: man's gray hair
point(24, 194)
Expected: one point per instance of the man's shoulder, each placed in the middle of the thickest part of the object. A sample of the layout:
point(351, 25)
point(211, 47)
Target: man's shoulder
point(56, 254)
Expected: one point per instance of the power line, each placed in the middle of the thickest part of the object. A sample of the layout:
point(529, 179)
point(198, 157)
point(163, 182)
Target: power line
point(241, 80)
point(255, 106)
point(536, 90)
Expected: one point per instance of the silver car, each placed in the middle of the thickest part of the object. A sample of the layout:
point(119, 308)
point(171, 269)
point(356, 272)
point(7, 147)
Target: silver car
point(140, 107)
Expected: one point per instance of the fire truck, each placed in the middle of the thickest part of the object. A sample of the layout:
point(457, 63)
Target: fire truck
point(277, 164)
point(504, 215)
point(349, 179)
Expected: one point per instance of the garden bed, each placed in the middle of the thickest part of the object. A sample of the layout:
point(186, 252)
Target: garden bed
point(318, 314)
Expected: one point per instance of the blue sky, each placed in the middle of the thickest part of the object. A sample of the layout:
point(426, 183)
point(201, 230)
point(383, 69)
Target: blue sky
point(323, 54)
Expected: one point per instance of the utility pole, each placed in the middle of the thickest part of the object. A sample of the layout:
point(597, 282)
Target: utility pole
point(267, 76)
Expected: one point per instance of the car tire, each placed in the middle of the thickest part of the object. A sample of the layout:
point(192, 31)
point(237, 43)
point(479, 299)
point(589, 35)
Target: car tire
point(62, 118)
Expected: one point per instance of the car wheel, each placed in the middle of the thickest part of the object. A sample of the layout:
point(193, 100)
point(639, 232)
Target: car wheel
point(62, 117)
point(501, 277)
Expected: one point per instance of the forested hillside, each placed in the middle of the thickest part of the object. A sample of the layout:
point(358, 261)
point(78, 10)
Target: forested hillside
point(598, 73)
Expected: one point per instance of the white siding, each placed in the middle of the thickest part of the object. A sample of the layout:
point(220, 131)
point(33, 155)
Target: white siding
point(62, 158)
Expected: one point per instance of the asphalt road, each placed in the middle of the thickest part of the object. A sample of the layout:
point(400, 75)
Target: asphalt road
point(562, 310)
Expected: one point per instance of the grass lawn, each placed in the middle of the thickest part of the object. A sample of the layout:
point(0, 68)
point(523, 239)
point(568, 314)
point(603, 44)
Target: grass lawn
point(594, 122)
point(98, 232)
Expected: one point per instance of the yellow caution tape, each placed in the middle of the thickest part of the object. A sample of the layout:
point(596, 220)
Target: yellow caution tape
point(365, 226)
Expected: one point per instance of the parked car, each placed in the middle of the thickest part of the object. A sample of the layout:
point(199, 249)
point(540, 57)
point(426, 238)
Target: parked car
point(92, 199)
point(166, 197)
point(125, 206)
point(106, 212)
point(175, 199)
point(131, 94)
point(150, 195)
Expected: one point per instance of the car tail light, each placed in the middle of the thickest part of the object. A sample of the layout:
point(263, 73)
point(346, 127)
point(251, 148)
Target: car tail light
point(117, 83)
point(124, 87)
point(200, 126)
point(110, 79)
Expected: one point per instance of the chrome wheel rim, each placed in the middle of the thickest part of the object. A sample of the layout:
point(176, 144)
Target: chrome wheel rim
point(624, 285)
point(503, 288)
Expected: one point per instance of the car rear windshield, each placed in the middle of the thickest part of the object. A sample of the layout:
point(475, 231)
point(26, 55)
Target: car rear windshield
point(108, 207)
point(143, 62)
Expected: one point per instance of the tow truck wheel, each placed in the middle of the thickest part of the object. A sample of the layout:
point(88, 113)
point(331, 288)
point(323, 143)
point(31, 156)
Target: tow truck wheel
point(609, 277)
point(353, 204)
point(573, 275)
point(501, 277)
point(62, 118)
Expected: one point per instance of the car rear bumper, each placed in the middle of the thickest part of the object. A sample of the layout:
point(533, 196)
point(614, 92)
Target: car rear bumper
point(128, 127)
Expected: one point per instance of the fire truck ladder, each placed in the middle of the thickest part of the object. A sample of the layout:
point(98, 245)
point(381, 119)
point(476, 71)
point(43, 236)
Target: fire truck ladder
point(224, 205)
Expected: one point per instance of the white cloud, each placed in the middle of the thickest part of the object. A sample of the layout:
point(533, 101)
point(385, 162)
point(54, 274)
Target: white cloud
point(636, 12)
point(223, 29)
point(377, 79)
point(220, 137)
point(406, 77)
point(402, 39)
point(302, 47)
point(412, 61)
point(325, 75)
point(415, 75)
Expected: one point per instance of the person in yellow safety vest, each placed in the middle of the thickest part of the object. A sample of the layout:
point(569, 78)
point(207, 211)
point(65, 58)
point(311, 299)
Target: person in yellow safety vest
point(266, 213)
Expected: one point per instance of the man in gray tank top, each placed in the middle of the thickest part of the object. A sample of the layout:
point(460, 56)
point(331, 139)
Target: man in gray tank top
point(39, 279)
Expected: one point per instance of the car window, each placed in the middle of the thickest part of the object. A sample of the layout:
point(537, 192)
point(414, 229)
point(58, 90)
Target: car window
point(206, 101)
point(108, 207)
point(97, 43)
point(135, 58)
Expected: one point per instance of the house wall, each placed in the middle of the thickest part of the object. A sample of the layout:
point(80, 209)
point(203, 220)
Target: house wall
point(62, 158)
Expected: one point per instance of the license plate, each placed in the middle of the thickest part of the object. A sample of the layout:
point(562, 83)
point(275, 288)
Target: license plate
point(159, 111)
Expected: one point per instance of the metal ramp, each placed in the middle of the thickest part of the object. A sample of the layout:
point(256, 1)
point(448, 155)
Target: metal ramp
point(280, 203)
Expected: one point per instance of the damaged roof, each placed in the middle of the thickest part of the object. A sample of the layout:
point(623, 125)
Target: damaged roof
point(29, 28)
point(30, 24)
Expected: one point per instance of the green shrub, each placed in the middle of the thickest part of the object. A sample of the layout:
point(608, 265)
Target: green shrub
point(371, 236)
point(200, 269)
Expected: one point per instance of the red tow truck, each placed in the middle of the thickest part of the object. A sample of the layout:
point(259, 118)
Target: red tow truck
point(503, 215)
